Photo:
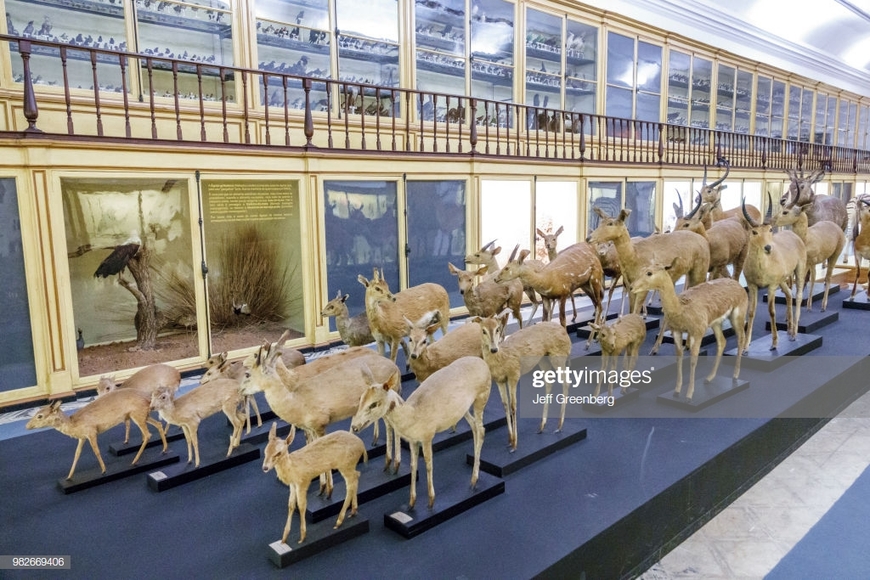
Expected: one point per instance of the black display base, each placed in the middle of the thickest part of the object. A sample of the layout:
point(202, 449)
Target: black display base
point(860, 302)
point(451, 499)
point(319, 538)
point(374, 482)
point(817, 295)
point(810, 321)
point(89, 478)
point(209, 464)
point(621, 397)
point(705, 393)
point(496, 457)
point(708, 338)
point(120, 448)
point(761, 357)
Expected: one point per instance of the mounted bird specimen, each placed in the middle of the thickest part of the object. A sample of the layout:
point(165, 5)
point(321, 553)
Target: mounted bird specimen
point(116, 262)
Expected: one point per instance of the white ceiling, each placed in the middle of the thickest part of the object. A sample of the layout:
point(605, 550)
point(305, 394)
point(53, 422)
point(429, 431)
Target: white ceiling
point(824, 40)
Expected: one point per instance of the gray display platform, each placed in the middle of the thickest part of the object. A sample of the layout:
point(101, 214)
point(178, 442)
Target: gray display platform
point(859, 303)
point(818, 294)
point(809, 322)
point(174, 433)
point(497, 458)
point(705, 394)
point(761, 357)
point(374, 482)
point(451, 499)
point(116, 470)
point(319, 538)
point(212, 461)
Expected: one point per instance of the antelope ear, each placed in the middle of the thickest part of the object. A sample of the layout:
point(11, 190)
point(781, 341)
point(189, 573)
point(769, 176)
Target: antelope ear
point(55, 405)
point(392, 405)
point(496, 250)
point(273, 431)
point(291, 436)
point(367, 374)
point(539, 232)
point(623, 214)
point(481, 271)
point(453, 269)
point(345, 297)
point(559, 231)
point(362, 280)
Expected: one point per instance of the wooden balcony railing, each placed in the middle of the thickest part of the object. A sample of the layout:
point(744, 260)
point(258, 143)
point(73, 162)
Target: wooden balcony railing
point(144, 97)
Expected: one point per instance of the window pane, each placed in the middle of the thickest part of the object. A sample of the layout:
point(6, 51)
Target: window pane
point(604, 195)
point(619, 103)
point(640, 198)
point(556, 207)
point(362, 232)
point(620, 60)
point(16, 341)
point(679, 69)
point(375, 19)
point(702, 75)
point(506, 215)
point(436, 233)
point(581, 51)
point(492, 31)
point(441, 26)
point(649, 67)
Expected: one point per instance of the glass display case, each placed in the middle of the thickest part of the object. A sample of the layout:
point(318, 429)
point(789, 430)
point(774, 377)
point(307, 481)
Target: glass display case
point(823, 129)
point(794, 112)
point(777, 109)
point(506, 214)
point(743, 101)
point(254, 261)
point(679, 72)
point(544, 74)
point(130, 264)
point(649, 82)
point(620, 76)
point(606, 195)
point(198, 31)
point(864, 128)
point(85, 23)
point(763, 105)
point(436, 233)
point(702, 76)
point(846, 124)
point(640, 198)
point(581, 69)
point(16, 363)
point(725, 98)
point(293, 37)
point(492, 56)
point(440, 34)
point(368, 42)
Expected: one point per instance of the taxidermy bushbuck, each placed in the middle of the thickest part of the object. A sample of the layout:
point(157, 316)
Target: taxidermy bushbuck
point(486, 257)
point(459, 390)
point(625, 334)
point(338, 450)
point(427, 358)
point(822, 207)
point(99, 415)
point(488, 297)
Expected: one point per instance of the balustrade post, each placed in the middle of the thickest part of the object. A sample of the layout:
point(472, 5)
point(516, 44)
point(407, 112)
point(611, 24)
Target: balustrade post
point(31, 111)
point(309, 120)
point(472, 137)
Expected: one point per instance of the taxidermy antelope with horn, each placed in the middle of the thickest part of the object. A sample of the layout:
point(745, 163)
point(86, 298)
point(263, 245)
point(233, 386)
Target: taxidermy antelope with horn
point(485, 256)
point(770, 261)
point(711, 195)
point(822, 207)
point(727, 240)
point(823, 241)
point(551, 241)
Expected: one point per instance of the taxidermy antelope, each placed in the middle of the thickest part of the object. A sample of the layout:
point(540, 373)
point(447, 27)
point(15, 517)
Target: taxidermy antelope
point(459, 390)
point(485, 256)
point(338, 450)
point(99, 415)
point(387, 320)
point(311, 403)
point(727, 239)
point(576, 266)
point(145, 382)
point(354, 330)
point(823, 242)
point(861, 238)
point(770, 261)
point(488, 297)
point(509, 359)
point(551, 241)
point(711, 195)
point(698, 308)
point(822, 207)
point(624, 335)
point(427, 358)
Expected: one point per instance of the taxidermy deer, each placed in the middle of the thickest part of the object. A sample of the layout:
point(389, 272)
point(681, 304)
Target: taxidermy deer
point(545, 343)
point(770, 261)
point(459, 390)
point(99, 415)
point(823, 241)
point(338, 450)
point(696, 309)
point(488, 297)
point(727, 239)
point(354, 330)
point(551, 241)
point(485, 256)
point(626, 334)
point(145, 381)
point(576, 266)
point(822, 207)
point(427, 358)
point(387, 320)
point(188, 410)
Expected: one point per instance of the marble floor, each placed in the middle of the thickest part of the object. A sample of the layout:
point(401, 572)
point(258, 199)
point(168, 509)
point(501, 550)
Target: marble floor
point(749, 537)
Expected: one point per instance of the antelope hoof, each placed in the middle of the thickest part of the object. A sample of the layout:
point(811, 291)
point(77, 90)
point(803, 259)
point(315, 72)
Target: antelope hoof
point(676, 394)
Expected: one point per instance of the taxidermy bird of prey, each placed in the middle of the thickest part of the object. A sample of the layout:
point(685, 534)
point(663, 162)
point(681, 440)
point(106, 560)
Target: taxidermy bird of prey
point(117, 260)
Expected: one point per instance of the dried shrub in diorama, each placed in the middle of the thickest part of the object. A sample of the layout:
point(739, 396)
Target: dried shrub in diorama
point(176, 292)
point(252, 283)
